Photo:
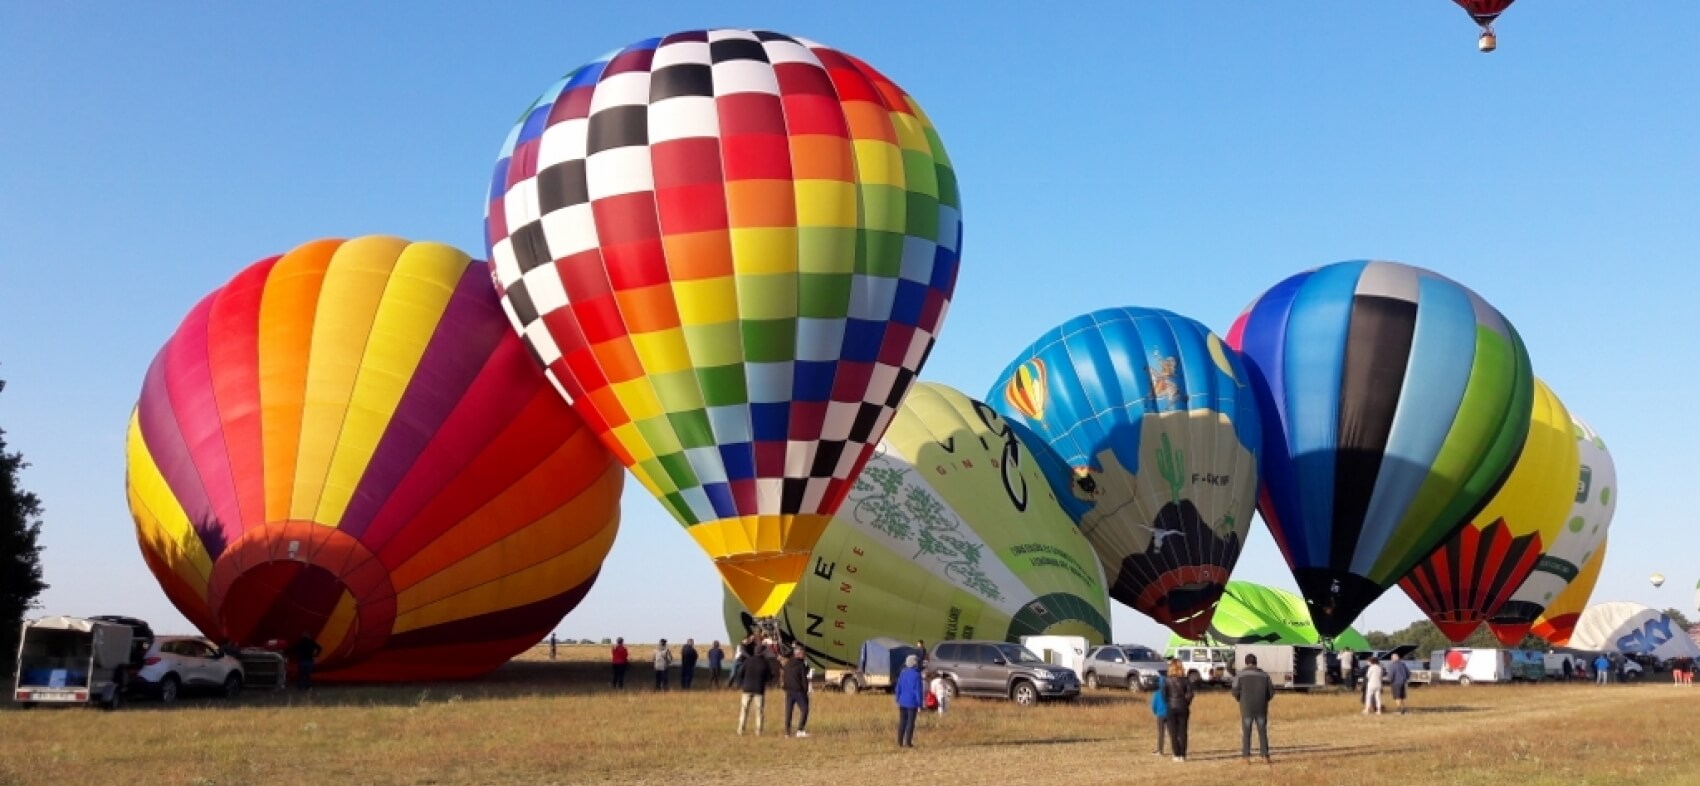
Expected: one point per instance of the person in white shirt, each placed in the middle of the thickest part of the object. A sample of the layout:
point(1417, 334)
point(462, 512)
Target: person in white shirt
point(937, 687)
point(1372, 686)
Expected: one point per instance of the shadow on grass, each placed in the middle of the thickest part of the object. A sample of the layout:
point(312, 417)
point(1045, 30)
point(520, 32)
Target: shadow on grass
point(1280, 753)
point(1442, 710)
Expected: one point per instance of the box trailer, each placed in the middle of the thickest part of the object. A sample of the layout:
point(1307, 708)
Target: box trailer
point(70, 660)
point(1290, 667)
point(1066, 651)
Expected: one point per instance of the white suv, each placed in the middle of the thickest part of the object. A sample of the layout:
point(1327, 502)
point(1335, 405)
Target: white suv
point(177, 663)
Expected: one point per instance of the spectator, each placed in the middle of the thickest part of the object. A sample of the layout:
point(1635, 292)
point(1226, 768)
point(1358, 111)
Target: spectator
point(909, 699)
point(794, 677)
point(1400, 674)
point(1177, 694)
point(743, 654)
point(1253, 689)
point(1602, 670)
point(1160, 708)
point(1372, 686)
point(306, 652)
point(1565, 667)
point(621, 662)
point(753, 679)
point(940, 691)
point(687, 664)
point(551, 646)
point(716, 658)
point(663, 660)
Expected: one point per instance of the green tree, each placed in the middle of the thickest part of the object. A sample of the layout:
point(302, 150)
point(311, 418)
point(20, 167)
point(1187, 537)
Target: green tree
point(1428, 638)
point(20, 551)
point(1678, 617)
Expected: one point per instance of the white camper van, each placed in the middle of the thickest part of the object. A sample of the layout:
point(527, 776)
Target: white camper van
point(1066, 651)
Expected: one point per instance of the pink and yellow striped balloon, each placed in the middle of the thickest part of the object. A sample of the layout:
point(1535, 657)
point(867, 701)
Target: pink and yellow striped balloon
point(348, 441)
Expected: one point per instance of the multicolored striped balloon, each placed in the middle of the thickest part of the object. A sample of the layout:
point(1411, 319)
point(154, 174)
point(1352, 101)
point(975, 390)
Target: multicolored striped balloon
point(1149, 437)
point(732, 251)
point(348, 441)
point(1394, 402)
point(1473, 574)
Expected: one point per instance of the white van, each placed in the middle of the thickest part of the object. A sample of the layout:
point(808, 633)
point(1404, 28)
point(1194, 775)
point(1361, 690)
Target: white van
point(1066, 651)
point(1466, 666)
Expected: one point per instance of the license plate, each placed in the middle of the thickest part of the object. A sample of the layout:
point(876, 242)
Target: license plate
point(52, 695)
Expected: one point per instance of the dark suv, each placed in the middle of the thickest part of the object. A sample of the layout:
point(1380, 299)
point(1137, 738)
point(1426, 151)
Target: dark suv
point(1001, 669)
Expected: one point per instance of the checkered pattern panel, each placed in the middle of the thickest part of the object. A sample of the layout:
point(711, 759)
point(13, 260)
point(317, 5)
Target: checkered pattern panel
point(732, 250)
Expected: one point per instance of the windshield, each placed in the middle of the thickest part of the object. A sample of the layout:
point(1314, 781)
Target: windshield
point(1219, 656)
point(1015, 653)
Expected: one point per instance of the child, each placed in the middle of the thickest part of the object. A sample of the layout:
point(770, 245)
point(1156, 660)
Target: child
point(1160, 708)
point(937, 688)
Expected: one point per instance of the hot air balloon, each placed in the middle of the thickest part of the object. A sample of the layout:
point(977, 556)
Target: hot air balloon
point(1254, 614)
point(1657, 580)
point(348, 440)
point(1394, 402)
point(950, 532)
point(1150, 438)
point(1474, 573)
point(1556, 624)
point(1583, 533)
point(1632, 629)
point(1484, 12)
point(731, 250)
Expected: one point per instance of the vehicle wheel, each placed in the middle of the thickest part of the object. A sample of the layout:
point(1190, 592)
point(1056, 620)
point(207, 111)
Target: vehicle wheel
point(1025, 694)
point(850, 686)
point(168, 689)
point(1135, 684)
point(1092, 680)
point(232, 686)
point(28, 705)
point(116, 701)
point(1465, 681)
point(950, 688)
point(1192, 677)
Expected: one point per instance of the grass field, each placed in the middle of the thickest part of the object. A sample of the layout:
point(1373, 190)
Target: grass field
point(537, 722)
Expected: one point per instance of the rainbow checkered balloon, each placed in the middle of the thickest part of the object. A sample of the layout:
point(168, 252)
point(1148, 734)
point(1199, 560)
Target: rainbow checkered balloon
point(732, 251)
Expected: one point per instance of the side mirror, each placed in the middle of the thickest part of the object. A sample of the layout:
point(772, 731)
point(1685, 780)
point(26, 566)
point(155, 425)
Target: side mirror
point(1119, 660)
point(999, 661)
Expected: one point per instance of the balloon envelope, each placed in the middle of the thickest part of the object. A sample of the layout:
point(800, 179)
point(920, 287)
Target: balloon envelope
point(348, 441)
point(1473, 574)
point(1632, 629)
point(1394, 404)
point(1150, 439)
point(1254, 614)
point(1583, 533)
point(1484, 11)
point(731, 250)
point(949, 533)
point(1558, 622)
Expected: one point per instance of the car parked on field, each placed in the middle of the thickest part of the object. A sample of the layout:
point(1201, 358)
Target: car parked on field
point(1128, 666)
point(1001, 669)
point(175, 664)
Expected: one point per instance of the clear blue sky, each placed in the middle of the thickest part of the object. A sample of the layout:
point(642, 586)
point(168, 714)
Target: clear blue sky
point(1183, 155)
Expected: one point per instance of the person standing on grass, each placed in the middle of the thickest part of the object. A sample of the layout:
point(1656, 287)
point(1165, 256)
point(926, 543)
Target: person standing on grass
point(909, 700)
point(1400, 674)
point(306, 652)
point(753, 679)
point(552, 646)
point(1177, 694)
point(937, 686)
point(687, 664)
point(1602, 670)
point(738, 659)
point(663, 661)
point(1564, 666)
point(621, 660)
point(1253, 690)
point(794, 678)
point(1160, 708)
point(1372, 686)
point(716, 657)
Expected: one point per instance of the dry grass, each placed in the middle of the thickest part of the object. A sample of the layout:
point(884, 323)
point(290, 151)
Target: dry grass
point(537, 722)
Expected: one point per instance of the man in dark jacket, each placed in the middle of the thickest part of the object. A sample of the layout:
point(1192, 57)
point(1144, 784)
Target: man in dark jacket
point(794, 676)
point(687, 663)
point(1400, 674)
point(306, 652)
point(1253, 689)
point(1177, 694)
point(757, 673)
point(716, 659)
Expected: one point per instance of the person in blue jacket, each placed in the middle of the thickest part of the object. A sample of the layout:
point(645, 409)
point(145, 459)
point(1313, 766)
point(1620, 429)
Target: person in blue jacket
point(910, 694)
point(1160, 708)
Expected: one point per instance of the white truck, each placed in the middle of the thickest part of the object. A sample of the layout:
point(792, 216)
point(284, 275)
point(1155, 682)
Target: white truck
point(1066, 651)
point(1290, 667)
point(70, 660)
point(1205, 665)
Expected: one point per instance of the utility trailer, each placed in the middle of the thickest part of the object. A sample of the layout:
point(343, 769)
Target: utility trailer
point(1289, 666)
point(70, 660)
point(877, 668)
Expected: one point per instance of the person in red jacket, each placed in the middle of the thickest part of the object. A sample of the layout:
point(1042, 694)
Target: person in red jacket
point(621, 661)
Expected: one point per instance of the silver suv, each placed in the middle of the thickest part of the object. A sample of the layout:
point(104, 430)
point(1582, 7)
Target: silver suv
point(1001, 669)
point(1123, 666)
